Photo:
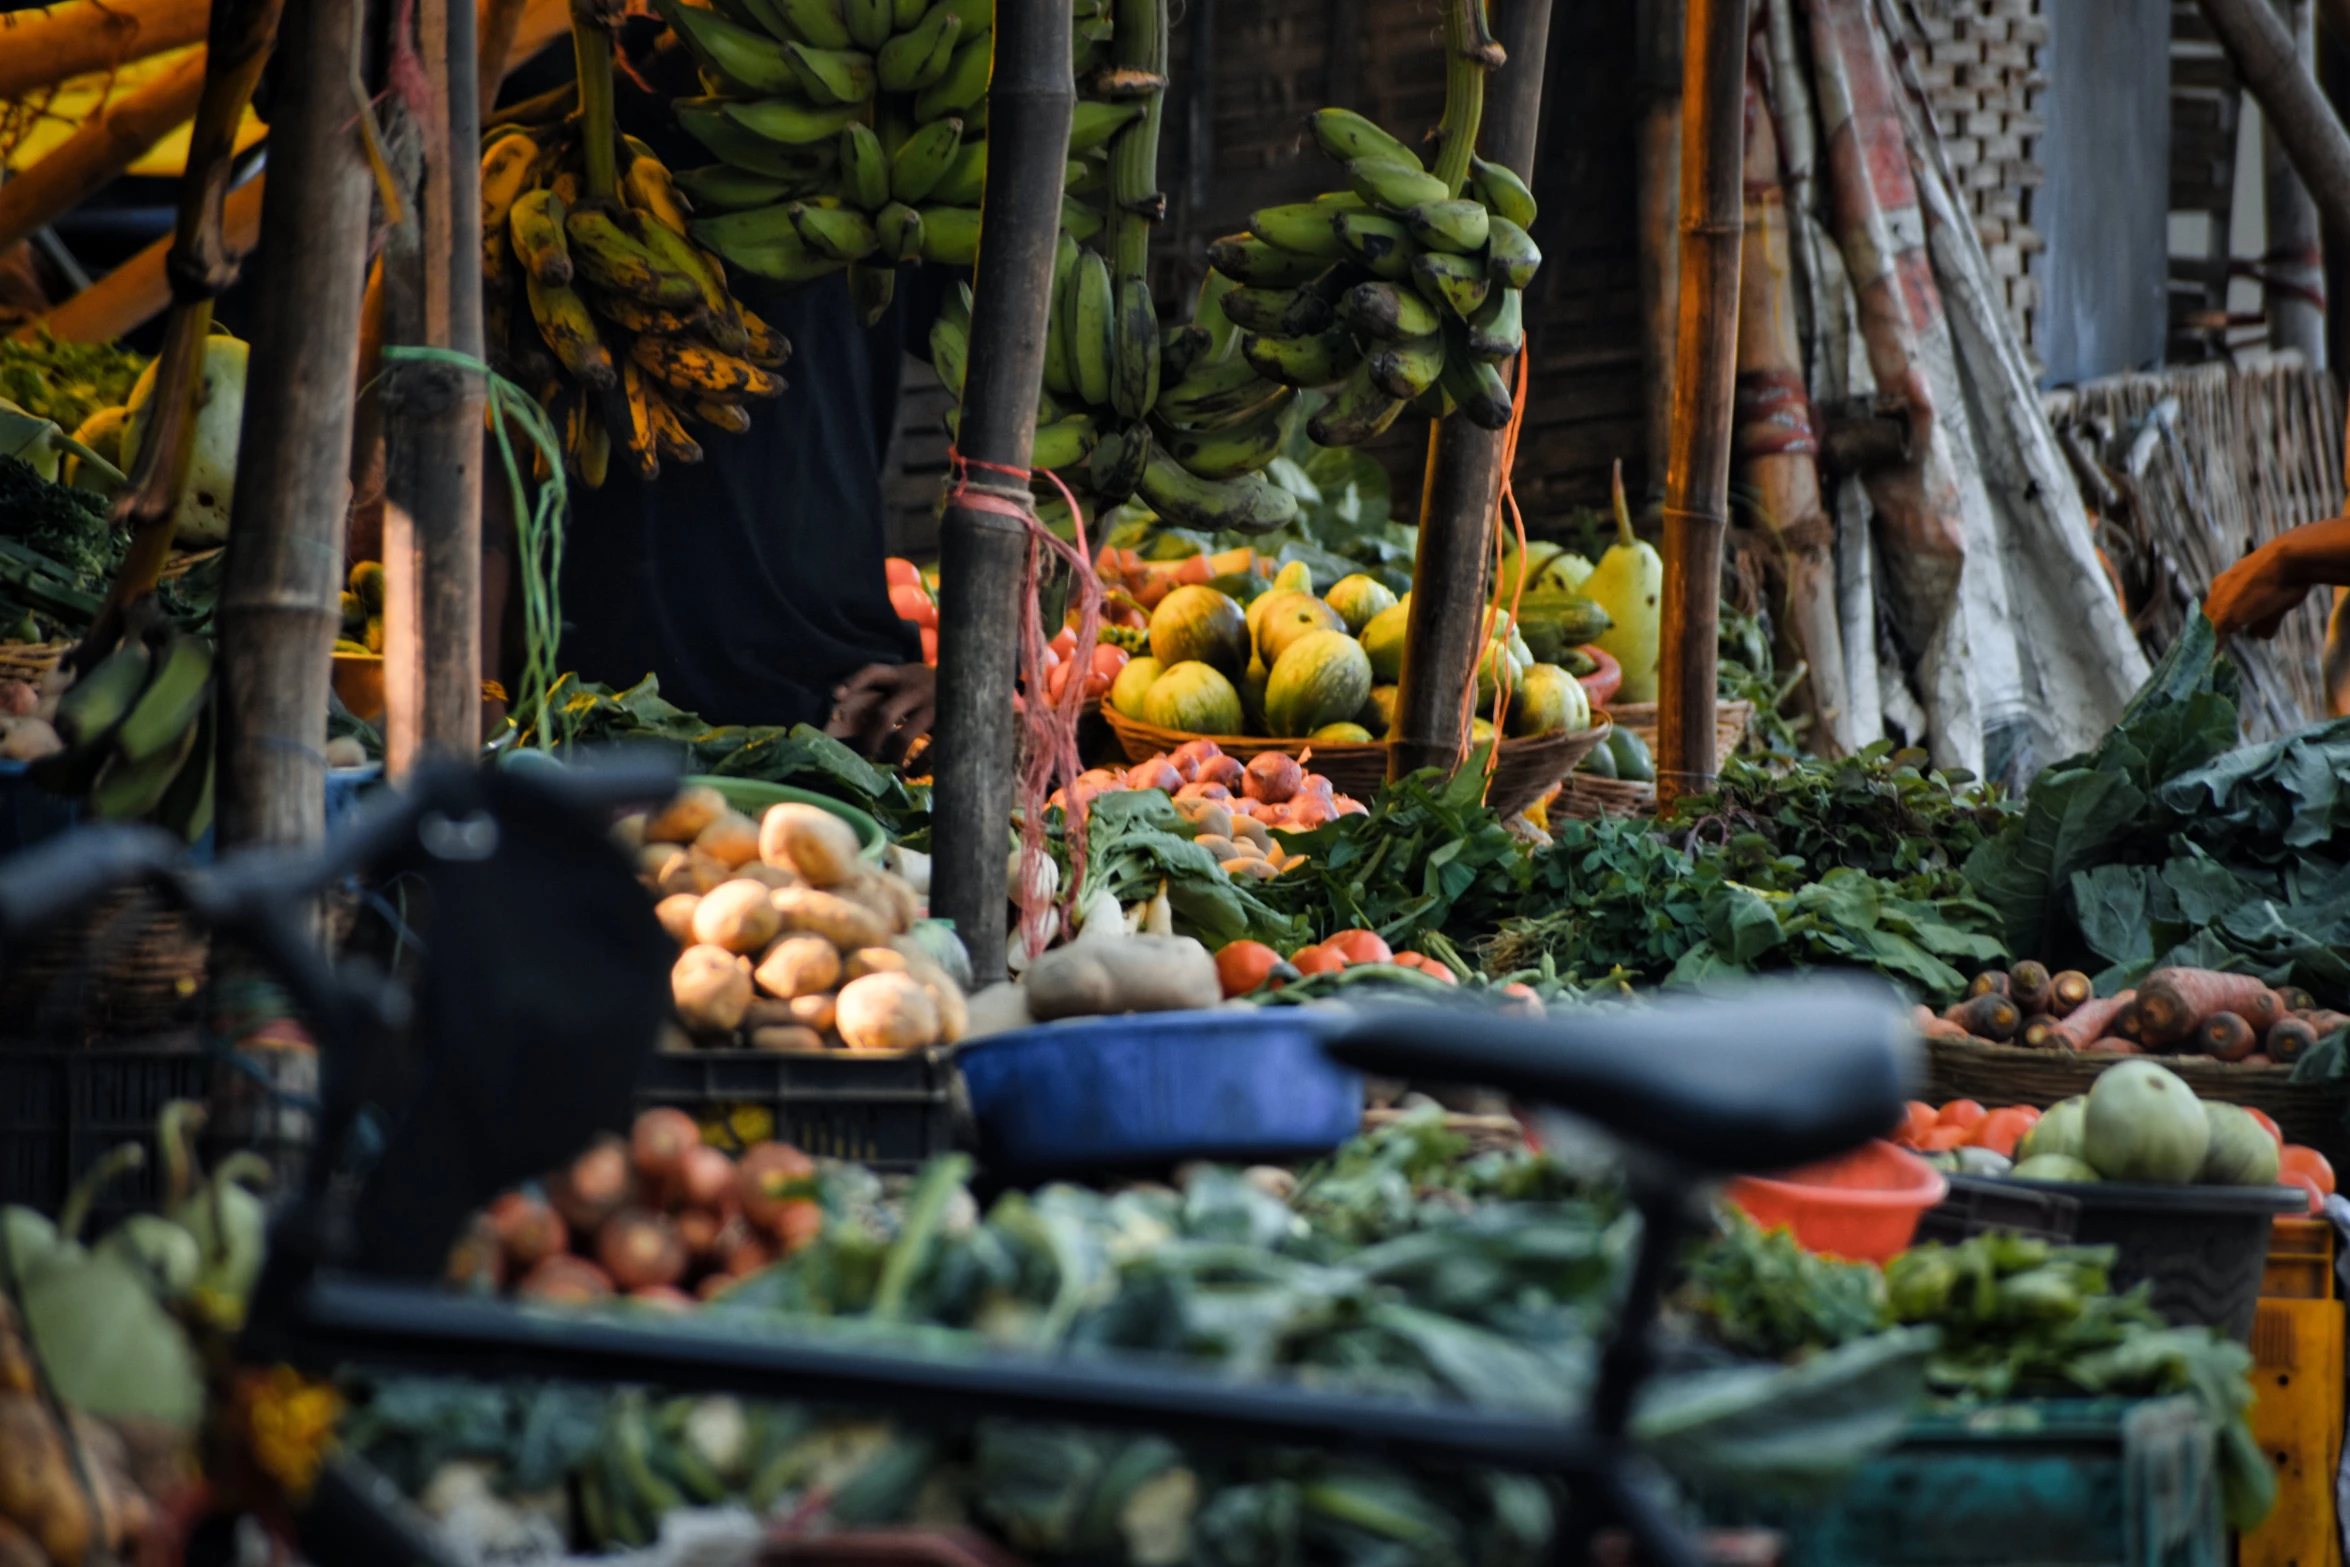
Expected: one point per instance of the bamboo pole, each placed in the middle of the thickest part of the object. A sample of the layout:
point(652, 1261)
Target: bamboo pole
point(43, 48)
point(983, 551)
point(1447, 623)
point(2270, 68)
point(199, 266)
point(433, 420)
point(137, 291)
point(278, 597)
point(107, 143)
point(2293, 270)
point(1697, 470)
point(1657, 195)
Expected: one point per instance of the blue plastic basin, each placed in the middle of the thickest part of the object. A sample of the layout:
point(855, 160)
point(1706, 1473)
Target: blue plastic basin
point(1158, 1088)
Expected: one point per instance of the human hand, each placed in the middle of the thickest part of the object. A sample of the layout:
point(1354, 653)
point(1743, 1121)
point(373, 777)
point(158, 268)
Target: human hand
point(2252, 597)
point(883, 709)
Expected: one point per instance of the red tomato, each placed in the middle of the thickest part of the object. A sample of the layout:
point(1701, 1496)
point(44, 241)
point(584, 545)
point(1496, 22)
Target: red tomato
point(2297, 1160)
point(1056, 679)
point(1999, 1131)
point(1960, 1112)
point(900, 571)
point(1243, 966)
point(1409, 959)
point(1361, 946)
point(913, 604)
point(1317, 960)
point(1918, 1122)
point(2267, 1125)
point(1942, 1139)
point(2309, 1185)
point(1108, 659)
point(1522, 998)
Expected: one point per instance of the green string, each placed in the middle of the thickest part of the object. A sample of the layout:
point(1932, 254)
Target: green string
point(538, 527)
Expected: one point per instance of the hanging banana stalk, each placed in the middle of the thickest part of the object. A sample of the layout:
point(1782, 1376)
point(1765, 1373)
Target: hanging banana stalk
point(200, 266)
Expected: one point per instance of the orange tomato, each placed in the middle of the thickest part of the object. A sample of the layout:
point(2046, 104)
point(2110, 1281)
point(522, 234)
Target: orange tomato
point(1942, 1139)
point(2297, 1160)
point(1917, 1123)
point(2308, 1184)
point(1194, 570)
point(1317, 960)
point(1522, 998)
point(1409, 959)
point(1244, 966)
point(1961, 1112)
point(2267, 1125)
point(901, 572)
point(1999, 1131)
point(1436, 970)
point(1361, 946)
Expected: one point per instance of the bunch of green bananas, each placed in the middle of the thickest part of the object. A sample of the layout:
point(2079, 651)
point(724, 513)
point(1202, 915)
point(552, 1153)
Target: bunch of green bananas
point(848, 132)
point(1400, 289)
point(623, 324)
point(138, 733)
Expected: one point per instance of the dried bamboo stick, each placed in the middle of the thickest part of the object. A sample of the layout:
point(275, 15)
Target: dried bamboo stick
point(107, 143)
point(42, 48)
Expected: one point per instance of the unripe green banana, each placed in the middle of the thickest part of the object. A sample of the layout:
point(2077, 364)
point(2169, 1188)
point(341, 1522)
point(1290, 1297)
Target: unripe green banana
point(714, 125)
point(1247, 259)
point(1510, 254)
point(720, 187)
point(1092, 337)
point(842, 233)
point(950, 351)
point(749, 61)
point(821, 23)
point(869, 22)
point(1282, 312)
point(1460, 226)
point(1407, 369)
point(924, 160)
point(906, 15)
point(832, 76)
point(864, 168)
point(1207, 313)
point(1479, 390)
point(1361, 411)
point(1251, 503)
point(962, 86)
point(1180, 349)
point(1227, 454)
point(1134, 372)
point(1503, 192)
point(1094, 122)
point(785, 260)
point(899, 228)
point(1498, 329)
point(1081, 218)
point(1346, 136)
point(1085, 177)
point(1316, 359)
point(1302, 228)
point(1063, 443)
point(1119, 458)
point(789, 121)
point(1060, 373)
point(913, 60)
point(755, 226)
point(977, 16)
point(950, 235)
point(1217, 396)
point(1379, 242)
point(1457, 283)
point(965, 181)
point(1436, 402)
point(1394, 186)
point(1387, 312)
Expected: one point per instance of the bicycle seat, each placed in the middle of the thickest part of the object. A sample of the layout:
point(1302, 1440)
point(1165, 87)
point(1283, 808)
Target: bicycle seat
point(1769, 1077)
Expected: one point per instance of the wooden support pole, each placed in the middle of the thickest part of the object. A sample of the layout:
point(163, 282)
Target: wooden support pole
point(1657, 200)
point(1447, 621)
point(433, 421)
point(280, 584)
point(2294, 271)
point(1697, 468)
point(983, 553)
point(76, 40)
point(107, 143)
point(2291, 104)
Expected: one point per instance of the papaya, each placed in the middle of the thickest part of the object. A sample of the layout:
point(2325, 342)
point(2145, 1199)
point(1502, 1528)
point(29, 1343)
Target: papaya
point(1547, 701)
point(1194, 697)
point(1126, 692)
point(1383, 639)
point(1344, 734)
point(1358, 598)
point(1297, 575)
point(1296, 616)
point(1378, 714)
point(1265, 604)
point(1252, 696)
point(1323, 678)
point(1197, 624)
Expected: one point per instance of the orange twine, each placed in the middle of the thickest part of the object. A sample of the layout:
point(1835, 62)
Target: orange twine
point(1047, 727)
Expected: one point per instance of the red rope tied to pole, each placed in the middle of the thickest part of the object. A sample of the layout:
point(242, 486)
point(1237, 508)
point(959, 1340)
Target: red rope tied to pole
point(1048, 725)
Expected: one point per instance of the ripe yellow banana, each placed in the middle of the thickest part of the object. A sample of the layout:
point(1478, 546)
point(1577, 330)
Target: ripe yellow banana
point(569, 329)
point(644, 443)
point(733, 418)
point(536, 224)
point(669, 430)
point(764, 346)
point(506, 168)
point(649, 190)
point(635, 316)
point(700, 371)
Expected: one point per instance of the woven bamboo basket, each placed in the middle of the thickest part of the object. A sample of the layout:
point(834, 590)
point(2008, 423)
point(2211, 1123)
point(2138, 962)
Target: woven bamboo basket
point(2308, 1113)
point(133, 966)
point(1589, 797)
point(1730, 723)
point(29, 661)
point(1527, 769)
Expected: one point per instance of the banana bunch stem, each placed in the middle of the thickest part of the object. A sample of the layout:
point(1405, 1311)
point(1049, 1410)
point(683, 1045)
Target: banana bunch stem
point(1469, 52)
point(591, 45)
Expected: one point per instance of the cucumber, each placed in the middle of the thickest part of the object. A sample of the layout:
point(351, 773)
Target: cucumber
point(1631, 757)
point(1600, 762)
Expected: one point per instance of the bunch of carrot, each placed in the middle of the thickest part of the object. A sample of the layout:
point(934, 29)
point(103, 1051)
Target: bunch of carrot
point(2173, 1011)
point(651, 1218)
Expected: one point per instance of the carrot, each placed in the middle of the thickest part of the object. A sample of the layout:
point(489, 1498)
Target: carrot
point(2325, 1021)
point(2296, 999)
point(2038, 1033)
point(2127, 1025)
point(2027, 986)
point(640, 1248)
point(2069, 990)
point(1991, 982)
point(2289, 1039)
point(2174, 1002)
point(1946, 1031)
point(2113, 1047)
point(2091, 1021)
point(1987, 1016)
point(2259, 1058)
point(2225, 1037)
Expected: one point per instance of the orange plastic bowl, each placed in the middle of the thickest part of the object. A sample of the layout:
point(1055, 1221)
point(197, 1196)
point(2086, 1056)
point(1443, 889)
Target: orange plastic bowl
point(1863, 1207)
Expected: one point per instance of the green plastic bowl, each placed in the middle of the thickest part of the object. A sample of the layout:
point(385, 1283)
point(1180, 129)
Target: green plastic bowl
point(752, 797)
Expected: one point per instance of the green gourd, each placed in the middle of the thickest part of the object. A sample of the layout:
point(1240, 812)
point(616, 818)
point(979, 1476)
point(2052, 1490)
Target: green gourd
point(1629, 584)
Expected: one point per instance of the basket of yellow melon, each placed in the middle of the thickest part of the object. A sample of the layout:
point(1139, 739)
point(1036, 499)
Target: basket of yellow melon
point(1294, 667)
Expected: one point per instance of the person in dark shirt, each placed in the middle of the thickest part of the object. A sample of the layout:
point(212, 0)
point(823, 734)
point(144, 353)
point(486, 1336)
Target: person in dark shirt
point(752, 582)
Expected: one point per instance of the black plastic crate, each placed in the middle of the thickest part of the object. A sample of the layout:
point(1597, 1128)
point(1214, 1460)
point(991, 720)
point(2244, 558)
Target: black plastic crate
point(1979, 1204)
point(892, 1112)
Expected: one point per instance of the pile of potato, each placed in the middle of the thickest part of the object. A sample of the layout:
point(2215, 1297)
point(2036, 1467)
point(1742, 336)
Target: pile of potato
point(789, 940)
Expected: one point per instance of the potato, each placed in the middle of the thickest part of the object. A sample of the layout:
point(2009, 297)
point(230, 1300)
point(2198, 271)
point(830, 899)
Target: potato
point(810, 840)
point(709, 872)
point(684, 817)
point(786, 1037)
point(818, 1012)
point(1249, 829)
point(676, 914)
point(886, 895)
point(38, 1487)
point(711, 988)
point(1221, 848)
point(875, 960)
point(732, 840)
point(629, 831)
point(1122, 974)
point(768, 1012)
point(954, 1013)
point(677, 875)
point(889, 1012)
point(1213, 818)
point(846, 925)
point(798, 966)
point(766, 875)
point(739, 916)
point(653, 860)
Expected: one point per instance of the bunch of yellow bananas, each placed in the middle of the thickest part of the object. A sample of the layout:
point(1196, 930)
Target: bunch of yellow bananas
point(625, 325)
point(1400, 289)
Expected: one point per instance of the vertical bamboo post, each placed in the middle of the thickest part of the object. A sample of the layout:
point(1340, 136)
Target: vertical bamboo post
point(1447, 623)
point(983, 552)
point(433, 425)
point(278, 597)
point(2293, 289)
point(1697, 469)
point(1657, 198)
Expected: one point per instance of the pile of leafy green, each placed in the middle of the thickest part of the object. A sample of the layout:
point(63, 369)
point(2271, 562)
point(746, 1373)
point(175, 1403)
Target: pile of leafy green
point(2170, 843)
point(66, 382)
point(1758, 1293)
point(57, 549)
point(580, 712)
point(1135, 840)
point(1427, 856)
